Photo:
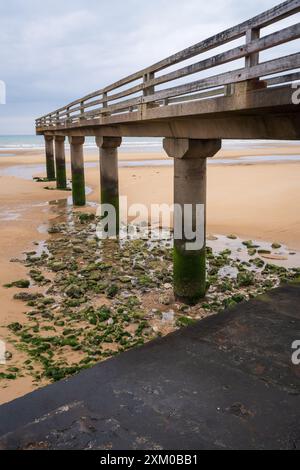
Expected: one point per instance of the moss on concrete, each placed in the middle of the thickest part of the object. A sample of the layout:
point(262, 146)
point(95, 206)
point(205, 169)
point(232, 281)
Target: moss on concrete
point(189, 275)
point(61, 176)
point(78, 188)
point(109, 197)
point(50, 166)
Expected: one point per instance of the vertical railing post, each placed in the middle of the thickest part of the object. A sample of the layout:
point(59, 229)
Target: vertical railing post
point(190, 157)
point(252, 59)
point(77, 165)
point(105, 102)
point(148, 91)
point(81, 110)
point(68, 116)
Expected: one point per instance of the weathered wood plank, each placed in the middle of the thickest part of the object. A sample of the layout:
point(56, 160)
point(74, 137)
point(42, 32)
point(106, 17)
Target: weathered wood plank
point(288, 34)
point(290, 77)
point(266, 68)
point(280, 37)
point(275, 14)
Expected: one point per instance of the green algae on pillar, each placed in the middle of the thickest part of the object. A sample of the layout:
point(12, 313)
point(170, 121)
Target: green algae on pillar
point(109, 173)
point(190, 214)
point(77, 165)
point(60, 160)
point(50, 164)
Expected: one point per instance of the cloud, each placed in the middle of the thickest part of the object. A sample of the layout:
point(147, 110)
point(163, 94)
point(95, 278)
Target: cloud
point(54, 51)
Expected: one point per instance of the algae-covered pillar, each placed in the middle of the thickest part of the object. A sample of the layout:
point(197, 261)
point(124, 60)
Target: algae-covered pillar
point(190, 214)
point(50, 165)
point(109, 173)
point(77, 165)
point(60, 161)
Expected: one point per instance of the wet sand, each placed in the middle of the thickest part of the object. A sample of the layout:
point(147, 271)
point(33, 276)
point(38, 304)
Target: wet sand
point(259, 201)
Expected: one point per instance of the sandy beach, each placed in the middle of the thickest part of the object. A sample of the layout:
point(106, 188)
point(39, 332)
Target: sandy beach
point(268, 210)
point(254, 201)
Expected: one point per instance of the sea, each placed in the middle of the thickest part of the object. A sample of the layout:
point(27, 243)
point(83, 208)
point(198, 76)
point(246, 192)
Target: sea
point(10, 143)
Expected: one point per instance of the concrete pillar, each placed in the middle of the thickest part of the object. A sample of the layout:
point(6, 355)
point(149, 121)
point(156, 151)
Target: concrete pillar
point(60, 160)
point(77, 165)
point(109, 173)
point(189, 194)
point(50, 165)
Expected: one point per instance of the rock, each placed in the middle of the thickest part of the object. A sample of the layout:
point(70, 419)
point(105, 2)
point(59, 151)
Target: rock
point(78, 250)
point(112, 291)
point(165, 299)
point(184, 321)
point(8, 355)
point(84, 218)
point(259, 263)
point(211, 238)
point(232, 237)
point(276, 246)
point(245, 279)
point(125, 279)
point(168, 317)
point(53, 230)
point(168, 286)
point(74, 292)
point(57, 266)
point(249, 244)
point(27, 297)
point(21, 284)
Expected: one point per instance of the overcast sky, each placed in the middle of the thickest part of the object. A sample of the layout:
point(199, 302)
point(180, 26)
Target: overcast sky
point(54, 51)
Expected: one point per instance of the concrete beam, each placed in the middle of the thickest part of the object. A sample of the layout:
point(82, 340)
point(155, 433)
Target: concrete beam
point(191, 148)
point(233, 125)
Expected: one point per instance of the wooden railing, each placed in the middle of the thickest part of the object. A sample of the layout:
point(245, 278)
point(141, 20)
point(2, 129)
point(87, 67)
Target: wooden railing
point(140, 88)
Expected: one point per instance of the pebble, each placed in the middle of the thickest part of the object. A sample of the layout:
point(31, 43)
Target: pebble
point(168, 286)
point(168, 316)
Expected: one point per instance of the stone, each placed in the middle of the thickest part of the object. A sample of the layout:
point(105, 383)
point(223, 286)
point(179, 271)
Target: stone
point(168, 317)
point(276, 246)
point(21, 284)
point(74, 292)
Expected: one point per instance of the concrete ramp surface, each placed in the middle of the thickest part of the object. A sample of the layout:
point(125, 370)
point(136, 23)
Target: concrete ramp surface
point(227, 382)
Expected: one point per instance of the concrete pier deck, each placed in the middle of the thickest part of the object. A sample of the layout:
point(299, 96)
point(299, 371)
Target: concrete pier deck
point(227, 382)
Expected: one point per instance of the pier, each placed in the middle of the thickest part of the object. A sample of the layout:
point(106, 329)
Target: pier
point(193, 115)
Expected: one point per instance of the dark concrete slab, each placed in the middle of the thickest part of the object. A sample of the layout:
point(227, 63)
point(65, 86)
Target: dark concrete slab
point(225, 383)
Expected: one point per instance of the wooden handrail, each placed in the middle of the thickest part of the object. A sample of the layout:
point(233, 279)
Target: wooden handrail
point(109, 101)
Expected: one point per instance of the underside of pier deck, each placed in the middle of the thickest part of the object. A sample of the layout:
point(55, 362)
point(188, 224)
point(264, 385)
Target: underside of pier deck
point(227, 382)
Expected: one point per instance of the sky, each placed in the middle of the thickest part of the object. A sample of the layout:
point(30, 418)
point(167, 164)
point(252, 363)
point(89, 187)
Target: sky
point(55, 51)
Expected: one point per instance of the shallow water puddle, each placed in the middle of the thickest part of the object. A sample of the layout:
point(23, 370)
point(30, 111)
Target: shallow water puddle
point(282, 256)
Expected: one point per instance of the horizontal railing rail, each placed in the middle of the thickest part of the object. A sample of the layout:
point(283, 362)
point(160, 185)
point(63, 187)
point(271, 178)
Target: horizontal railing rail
point(113, 100)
